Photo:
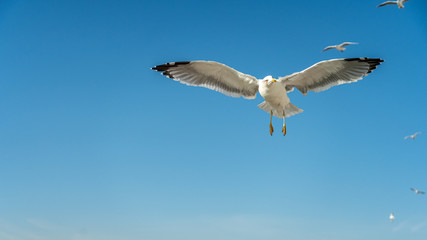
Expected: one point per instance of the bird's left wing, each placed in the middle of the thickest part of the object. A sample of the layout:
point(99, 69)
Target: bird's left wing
point(326, 74)
point(328, 47)
point(212, 75)
point(387, 3)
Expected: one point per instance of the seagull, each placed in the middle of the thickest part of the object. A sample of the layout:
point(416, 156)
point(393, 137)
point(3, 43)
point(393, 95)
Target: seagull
point(417, 191)
point(412, 136)
point(319, 77)
point(391, 217)
point(340, 46)
point(399, 3)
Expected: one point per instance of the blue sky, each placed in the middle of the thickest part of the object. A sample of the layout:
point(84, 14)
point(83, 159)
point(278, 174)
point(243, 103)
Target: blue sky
point(95, 145)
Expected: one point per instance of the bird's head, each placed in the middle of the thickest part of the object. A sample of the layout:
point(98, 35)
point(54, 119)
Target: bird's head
point(269, 80)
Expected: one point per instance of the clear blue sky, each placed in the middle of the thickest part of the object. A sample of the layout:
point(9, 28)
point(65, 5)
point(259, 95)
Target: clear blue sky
point(96, 146)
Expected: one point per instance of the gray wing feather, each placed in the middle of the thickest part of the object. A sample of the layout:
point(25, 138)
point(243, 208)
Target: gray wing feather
point(387, 3)
point(329, 47)
point(326, 74)
point(347, 43)
point(212, 75)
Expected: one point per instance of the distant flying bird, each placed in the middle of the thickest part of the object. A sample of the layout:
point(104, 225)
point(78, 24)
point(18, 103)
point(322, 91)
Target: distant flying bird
point(340, 46)
point(417, 191)
point(412, 136)
point(319, 77)
point(399, 3)
point(391, 217)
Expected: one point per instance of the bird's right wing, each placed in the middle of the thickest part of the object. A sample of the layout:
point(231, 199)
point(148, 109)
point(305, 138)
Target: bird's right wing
point(212, 75)
point(404, 1)
point(406, 137)
point(413, 190)
point(347, 43)
point(387, 3)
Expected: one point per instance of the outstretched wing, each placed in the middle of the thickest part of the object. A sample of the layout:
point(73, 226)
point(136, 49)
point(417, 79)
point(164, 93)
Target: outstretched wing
point(326, 74)
point(347, 43)
point(417, 133)
point(212, 75)
point(413, 190)
point(404, 1)
point(387, 3)
point(328, 47)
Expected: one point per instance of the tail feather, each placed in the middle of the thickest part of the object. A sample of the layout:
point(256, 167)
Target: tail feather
point(290, 109)
point(265, 106)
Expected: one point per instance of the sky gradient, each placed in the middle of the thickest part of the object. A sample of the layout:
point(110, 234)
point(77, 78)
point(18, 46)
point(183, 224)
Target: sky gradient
point(96, 146)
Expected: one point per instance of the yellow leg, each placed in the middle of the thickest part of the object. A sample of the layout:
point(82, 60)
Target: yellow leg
point(284, 125)
point(271, 126)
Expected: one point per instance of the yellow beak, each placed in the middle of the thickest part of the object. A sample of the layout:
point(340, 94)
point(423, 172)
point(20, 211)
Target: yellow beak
point(274, 80)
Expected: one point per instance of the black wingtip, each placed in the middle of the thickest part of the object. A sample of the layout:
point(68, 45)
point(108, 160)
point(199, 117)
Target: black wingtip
point(373, 62)
point(164, 68)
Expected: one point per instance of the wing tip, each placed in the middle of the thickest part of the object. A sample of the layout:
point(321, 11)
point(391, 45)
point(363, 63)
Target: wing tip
point(364, 59)
point(373, 62)
point(166, 66)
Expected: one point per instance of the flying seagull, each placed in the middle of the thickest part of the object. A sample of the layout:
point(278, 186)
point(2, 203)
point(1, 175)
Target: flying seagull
point(391, 217)
point(412, 136)
point(340, 46)
point(417, 191)
point(399, 3)
point(319, 77)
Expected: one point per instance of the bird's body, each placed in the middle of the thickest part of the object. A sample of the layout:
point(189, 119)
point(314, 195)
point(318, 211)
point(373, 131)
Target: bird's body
point(416, 191)
point(340, 47)
point(275, 96)
point(319, 77)
point(391, 217)
point(399, 3)
point(277, 102)
point(412, 136)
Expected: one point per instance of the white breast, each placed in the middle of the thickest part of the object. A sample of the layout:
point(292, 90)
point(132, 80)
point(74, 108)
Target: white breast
point(274, 93)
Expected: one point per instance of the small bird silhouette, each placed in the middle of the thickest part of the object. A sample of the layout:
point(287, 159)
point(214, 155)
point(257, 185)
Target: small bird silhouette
point(412, 136)
point(399, 3)
point(417, 191)
point(339, 46)
point(391, 217)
